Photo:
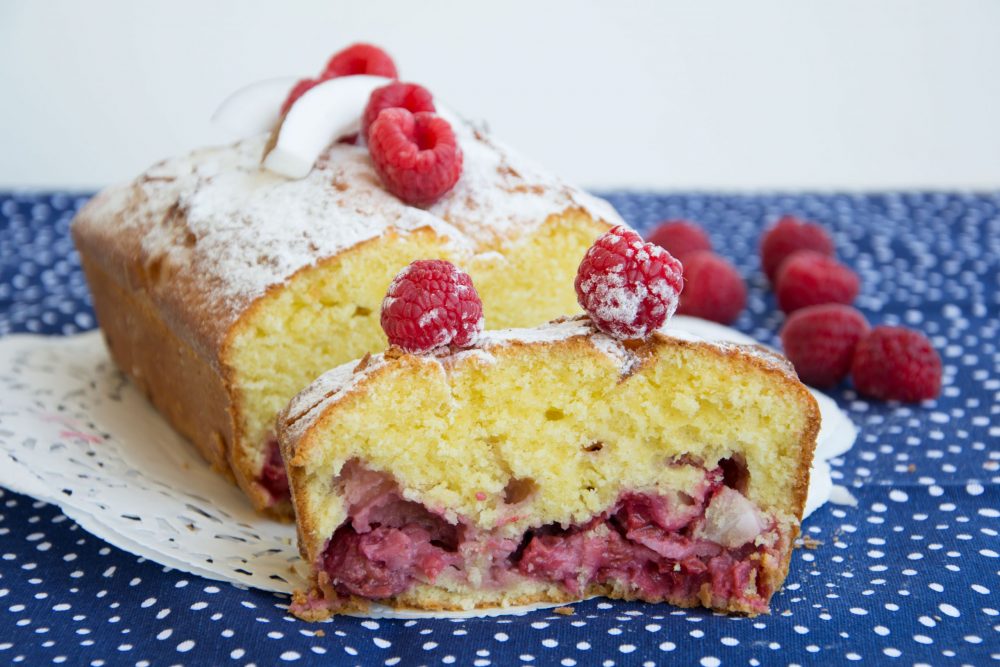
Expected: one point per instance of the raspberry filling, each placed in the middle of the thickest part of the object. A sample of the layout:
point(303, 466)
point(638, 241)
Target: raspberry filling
point(707, 545)
point(272, 475)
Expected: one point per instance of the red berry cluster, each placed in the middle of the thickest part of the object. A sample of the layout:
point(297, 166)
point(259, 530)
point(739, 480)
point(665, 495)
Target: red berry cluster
point(628, 287)
point(413, 150)
point(713, 288)
point(824, 337)
point(429, 304)
point(797, 257)
point(355, 59)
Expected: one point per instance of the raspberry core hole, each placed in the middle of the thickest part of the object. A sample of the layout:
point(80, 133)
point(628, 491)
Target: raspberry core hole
point(519, 489)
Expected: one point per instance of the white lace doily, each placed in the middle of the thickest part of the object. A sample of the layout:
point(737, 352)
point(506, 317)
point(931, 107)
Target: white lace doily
point(75, 432)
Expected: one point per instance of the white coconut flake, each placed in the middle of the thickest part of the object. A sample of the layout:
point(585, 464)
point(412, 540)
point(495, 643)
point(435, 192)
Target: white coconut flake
point(731, 520)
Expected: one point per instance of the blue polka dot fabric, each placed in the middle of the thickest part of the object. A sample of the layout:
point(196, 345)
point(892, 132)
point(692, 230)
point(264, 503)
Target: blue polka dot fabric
point(910, 576)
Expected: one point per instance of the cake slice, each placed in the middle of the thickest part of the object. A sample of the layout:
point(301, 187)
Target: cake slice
point(547, 465)
point(223, 288)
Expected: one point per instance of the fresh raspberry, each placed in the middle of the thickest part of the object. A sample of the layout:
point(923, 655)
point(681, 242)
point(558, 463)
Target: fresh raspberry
point(895, 363)
point(416, 155)
point(360, 59)
point(820, 342)
point(431, 303)
point(787, 236)
point(713, 288)
point(629, 288)
point(409, 96)
point(297, 91)
point(808, 278)
point(680, 238)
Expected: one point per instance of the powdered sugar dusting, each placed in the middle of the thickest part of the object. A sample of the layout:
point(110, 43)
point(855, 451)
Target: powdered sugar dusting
point(428, 317)
point(501, 192)
point(612, 299)
point(629, 287)
point(215, 219)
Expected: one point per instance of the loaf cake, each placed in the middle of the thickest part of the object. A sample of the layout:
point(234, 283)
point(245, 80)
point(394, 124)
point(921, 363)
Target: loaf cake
point(222, 289)
point(550, 464)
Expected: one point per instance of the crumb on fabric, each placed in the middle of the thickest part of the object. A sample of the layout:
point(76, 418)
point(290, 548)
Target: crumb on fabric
point(809, 543)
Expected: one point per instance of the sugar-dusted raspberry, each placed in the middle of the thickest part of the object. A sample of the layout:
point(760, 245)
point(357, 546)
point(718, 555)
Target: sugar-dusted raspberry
point(360, 59)
point(297, 91)
point(416, 155)
point(409, 96)
point(808, 278)
point(820, 342)
point(788, 235)
point(713, 288)
point(896, 363)
point(680, 238)
point(629, 288)
point(431, 303)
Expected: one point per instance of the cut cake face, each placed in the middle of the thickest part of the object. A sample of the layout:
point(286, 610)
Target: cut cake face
point(550, 464)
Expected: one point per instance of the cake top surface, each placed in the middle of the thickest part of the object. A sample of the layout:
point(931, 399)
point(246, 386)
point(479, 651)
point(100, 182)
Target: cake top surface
point(310, 404)
point(225, 230)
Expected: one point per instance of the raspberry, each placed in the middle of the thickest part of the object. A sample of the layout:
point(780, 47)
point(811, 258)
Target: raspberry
point(272, 475)
point(787, 236)
point(895, 363)
point(431, 303)
point(360, 59)
point(808, 278)
point(415, 155)
point(713, 288)
point(680, 238)
point(297, 91)
point(407, 96)
point(820, 342)
point(629, 288)
point(355, 59)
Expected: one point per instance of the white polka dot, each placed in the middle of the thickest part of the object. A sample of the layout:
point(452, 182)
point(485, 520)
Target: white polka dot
point(948, 610)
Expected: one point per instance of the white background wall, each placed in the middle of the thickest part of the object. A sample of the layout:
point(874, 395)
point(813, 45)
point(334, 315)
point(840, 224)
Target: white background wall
point(712, 94)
